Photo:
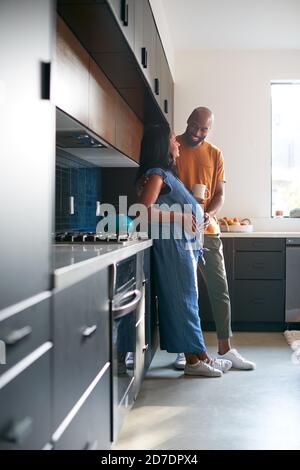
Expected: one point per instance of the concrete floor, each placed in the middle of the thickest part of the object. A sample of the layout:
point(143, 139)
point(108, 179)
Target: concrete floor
point(257, 409)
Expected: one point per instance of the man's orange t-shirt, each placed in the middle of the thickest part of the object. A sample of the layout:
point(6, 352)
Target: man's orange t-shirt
point(202, 164)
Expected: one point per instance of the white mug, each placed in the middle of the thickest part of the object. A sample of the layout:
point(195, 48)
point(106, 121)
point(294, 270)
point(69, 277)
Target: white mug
point(200, 191)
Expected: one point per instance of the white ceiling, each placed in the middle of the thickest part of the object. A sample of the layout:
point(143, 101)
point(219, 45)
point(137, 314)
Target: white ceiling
point(233, 24)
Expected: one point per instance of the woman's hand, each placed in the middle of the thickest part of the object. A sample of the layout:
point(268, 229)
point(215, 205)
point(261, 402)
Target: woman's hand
point(206, 219)
point(190, 224)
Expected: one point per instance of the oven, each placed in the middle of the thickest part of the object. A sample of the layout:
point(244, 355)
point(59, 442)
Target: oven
point(124, 302)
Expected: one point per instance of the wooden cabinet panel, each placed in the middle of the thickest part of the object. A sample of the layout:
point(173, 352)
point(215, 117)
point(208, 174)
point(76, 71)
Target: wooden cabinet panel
point(102, 104)
point(129, 131)
point(70, 84)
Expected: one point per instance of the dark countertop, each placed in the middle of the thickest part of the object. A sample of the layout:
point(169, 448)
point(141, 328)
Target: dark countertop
point(74, 262)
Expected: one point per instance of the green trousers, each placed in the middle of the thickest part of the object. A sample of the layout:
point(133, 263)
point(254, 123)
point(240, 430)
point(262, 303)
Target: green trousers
point(214, 275)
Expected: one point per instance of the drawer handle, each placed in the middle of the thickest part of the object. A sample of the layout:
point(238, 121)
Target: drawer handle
point(17, 335)
point(91, 445)
point(145, 348)
point(18, 431)
point(258, 265)
point(257, 301)
point(89, 331)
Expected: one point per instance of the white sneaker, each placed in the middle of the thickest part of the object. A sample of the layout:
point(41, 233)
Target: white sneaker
point(180, 361)
point(221, 364)
point(130, 360)
point(238, 361)
point(202, 368)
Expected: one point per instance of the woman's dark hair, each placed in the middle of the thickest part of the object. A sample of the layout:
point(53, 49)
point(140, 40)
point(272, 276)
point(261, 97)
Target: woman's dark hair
point(155, 151)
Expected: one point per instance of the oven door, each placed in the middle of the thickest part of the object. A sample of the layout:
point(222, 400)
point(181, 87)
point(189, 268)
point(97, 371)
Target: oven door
point(123, 312)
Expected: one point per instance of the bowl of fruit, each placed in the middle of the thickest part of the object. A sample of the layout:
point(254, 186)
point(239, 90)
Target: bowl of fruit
point(234, 224)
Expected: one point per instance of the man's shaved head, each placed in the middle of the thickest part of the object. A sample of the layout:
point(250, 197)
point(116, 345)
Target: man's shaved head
point(199, 123)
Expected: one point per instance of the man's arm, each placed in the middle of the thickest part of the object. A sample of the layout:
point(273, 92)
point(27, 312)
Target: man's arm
point(216, 203)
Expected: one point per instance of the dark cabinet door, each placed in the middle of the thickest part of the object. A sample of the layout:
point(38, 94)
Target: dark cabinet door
point(259, 301)
point(27, 149)
point(25, 407)
point(81, 338)
point(89, 428)
point(24, 331)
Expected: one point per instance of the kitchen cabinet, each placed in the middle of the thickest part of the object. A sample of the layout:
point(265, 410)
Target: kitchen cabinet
point(70, 84)
point(95, 102)
point(103, 100)
point(27, 121)
point(129, 131)
point(89, 428)
point(124, 13)
point(259, 282)
point(122, 38)
point(256, 280)
point(81, 332)
point(23, 331)
point(25, 411)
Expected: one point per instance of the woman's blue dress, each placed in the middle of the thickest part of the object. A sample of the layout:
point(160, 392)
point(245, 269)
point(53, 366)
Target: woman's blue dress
point(176, 262)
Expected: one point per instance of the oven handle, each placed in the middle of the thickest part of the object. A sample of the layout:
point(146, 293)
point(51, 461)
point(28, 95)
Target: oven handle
point(119, 312)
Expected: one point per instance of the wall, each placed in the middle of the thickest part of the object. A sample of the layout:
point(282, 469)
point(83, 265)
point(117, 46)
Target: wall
point(82, 181)
point(236, 86)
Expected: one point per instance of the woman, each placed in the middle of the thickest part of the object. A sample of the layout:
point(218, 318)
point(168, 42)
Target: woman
point(175, 257)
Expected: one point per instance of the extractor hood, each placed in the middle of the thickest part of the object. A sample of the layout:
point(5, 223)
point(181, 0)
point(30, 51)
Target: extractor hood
point(75, 139)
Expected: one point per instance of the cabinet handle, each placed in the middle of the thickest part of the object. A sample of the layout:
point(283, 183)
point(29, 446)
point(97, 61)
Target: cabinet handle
point(156, 86)
point(144, 57)
point(88, 331)
point(257, 301)
point(18, 431)
point(166, 106)
point(71, 205)
point(45, 80)
point(145, 348)
point(91, 445)
point(124, 12)
point(17, 335)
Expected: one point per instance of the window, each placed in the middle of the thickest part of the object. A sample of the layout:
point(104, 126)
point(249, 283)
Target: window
point(286, 148)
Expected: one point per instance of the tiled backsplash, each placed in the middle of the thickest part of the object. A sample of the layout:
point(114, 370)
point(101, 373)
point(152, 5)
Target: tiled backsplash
point(82, 181)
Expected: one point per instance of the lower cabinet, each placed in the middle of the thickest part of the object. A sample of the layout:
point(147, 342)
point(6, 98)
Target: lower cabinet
point(88, 425)
point(25, 406)
point(256, 280)
point(81, 335)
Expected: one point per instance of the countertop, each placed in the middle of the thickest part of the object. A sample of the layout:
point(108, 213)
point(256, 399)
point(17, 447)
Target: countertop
point(74, 262)
point(260, 234)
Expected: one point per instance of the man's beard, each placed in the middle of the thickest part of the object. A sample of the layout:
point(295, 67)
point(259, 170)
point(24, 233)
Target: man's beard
point(191, 142)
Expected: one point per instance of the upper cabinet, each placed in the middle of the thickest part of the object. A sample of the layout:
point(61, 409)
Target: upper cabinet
point(70, 83)
point(124, 11)
point(122, 38)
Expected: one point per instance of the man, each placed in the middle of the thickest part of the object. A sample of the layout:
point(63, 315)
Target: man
point(202, 162)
